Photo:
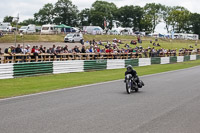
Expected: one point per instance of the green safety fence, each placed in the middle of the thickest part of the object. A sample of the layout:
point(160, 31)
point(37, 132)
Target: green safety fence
point(90, 65)
point(198, 57)
point(29, 69)
point(173, 59)
point(155, 60)
point(186, 58)
point(133, 62)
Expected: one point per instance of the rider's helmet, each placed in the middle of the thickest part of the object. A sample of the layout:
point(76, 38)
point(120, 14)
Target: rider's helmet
point(129, 68)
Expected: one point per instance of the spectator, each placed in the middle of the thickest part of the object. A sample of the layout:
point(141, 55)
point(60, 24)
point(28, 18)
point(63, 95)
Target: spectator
point(0, 51)
point(120, 42)
point(139, 40)
point(133, 42)
point(127, 46)
point(90, 42)
point(100, 43)
point(83, 50)
point(44, 50)
point(33, 49)
point(102, 50)
point(115, 40)
point(6, 50)
point(53, 49)
point(82, 41)
point(91, 50)
point(27, 49)
point(18, 50)
point(66, 49)
point(49, 50)
point(76, 49)
point(41, 49)
point(37, 50)
point(93, 42)
point(87, 50)
point(158, 44)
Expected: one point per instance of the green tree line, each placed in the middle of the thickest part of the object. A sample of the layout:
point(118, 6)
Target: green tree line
point(146, 18)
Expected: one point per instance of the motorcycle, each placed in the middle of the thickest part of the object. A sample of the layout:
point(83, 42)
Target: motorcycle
point(131, 85)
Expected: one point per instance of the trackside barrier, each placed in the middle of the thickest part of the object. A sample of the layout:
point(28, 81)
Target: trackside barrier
point(198, 57)
point(115, 64)
point(133, 62)
point(11, 70)
point(173, 59)
point(186, 58)
point(144, 61)
point(68, 66)
point(6, 71)
point(193, 57)
point(29, 69)
point(165, 60)
point(90, 65)
point(180, 58)
point(155, 60)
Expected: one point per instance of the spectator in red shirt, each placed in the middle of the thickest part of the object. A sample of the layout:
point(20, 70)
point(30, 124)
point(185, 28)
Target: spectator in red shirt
point(107, 50)
point(33, 49)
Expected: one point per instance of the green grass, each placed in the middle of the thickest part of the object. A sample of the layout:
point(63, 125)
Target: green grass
point(29, 85)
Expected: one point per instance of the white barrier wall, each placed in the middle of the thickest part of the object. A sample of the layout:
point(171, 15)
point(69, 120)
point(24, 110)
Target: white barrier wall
point(6, 71)
point(115, 64)
point(68, 66)
point(144, 61)
point(180, 58)
point(164, 60)
point(193, 57)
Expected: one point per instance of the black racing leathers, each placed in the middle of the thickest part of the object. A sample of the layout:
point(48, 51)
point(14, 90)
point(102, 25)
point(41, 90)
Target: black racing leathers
point(134, 74)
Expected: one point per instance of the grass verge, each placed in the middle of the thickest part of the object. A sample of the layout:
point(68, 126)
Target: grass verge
point(30, 85)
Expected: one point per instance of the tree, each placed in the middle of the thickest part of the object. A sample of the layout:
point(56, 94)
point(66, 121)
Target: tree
point(131, 16)
point(153, 12)
point(84, 17)
point(66, 13)
point(8, 19)
point(45, 15)
point(195, 23)
point(179, 19)
point(27, 22)
point(102, 10)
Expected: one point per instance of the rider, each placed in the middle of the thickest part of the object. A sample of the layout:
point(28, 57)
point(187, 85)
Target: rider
point(131, 71)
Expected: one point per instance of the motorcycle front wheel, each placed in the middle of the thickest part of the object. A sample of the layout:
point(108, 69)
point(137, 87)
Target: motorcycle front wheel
point(128, 86)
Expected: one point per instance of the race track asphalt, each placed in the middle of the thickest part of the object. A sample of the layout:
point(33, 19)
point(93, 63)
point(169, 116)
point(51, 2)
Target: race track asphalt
point(168, 103)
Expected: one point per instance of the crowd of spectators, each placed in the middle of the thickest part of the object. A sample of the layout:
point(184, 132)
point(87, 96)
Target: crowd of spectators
point(97, 47)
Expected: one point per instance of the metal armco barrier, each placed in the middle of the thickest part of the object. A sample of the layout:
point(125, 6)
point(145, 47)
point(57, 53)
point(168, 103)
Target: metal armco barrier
point(68, 66)
point(6, 71)
point(156, 60)
point(29, 69)
point(12, 70)
point(133, 62)
point(90, 65)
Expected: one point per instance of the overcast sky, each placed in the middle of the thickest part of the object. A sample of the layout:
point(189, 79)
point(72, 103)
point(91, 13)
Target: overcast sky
point(26, 8)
